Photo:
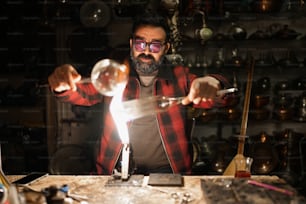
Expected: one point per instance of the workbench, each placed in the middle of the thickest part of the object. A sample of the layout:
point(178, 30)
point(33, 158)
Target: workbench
point(195, 190)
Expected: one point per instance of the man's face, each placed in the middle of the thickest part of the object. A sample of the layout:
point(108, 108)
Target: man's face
point(148, 48)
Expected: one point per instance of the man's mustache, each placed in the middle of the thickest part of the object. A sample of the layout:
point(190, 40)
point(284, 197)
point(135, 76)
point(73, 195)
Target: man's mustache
point(146, 56)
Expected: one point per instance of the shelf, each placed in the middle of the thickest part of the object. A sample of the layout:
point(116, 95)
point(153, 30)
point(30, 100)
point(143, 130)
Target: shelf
point(271, 44)
point(292, 93)
point(257, 16)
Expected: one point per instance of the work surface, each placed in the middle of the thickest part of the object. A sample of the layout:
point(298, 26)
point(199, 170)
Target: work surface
point(195, 189)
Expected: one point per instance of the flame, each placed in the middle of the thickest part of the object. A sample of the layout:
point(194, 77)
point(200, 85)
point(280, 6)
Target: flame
point(119, 117)
point(116, 107)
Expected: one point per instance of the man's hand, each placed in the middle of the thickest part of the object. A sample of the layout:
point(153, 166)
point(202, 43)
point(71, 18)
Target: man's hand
point(64, 78)
point(202, 89)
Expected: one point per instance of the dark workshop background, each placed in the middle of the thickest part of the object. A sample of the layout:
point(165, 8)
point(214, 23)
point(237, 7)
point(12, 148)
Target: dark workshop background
point(40, 134)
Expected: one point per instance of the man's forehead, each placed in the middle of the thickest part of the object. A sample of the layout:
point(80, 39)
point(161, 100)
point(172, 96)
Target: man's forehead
point(150, 33)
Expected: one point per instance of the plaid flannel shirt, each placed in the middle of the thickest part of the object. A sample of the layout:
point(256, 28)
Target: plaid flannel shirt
point(171, 81)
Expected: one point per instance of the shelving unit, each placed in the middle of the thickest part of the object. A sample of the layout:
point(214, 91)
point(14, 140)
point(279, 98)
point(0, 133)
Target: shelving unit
point(215, 131)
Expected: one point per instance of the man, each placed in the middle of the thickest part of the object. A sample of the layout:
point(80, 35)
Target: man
point(159, 143)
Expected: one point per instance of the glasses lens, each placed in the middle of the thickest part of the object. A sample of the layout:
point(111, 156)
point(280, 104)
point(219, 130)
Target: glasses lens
point(140, 45)
point(155, 47)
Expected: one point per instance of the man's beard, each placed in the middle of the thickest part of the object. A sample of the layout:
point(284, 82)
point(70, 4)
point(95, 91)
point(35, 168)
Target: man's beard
point(145, 69)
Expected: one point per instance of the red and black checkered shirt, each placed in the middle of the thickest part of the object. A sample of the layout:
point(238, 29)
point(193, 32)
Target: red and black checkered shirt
point(171, 81)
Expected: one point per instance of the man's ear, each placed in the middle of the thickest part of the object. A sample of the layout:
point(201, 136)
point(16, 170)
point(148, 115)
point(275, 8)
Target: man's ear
point(168, 45)
point(131, 43)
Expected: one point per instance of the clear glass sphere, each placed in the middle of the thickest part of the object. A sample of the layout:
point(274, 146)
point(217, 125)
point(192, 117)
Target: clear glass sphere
point(109, 76)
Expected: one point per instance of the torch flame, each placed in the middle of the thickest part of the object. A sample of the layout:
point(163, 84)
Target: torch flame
point(121, 119)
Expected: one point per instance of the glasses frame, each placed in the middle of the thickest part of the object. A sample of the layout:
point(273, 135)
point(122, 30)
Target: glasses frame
point(147, 44)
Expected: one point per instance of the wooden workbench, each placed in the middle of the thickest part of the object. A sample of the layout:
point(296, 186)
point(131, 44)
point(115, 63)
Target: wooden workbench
point(98, 190)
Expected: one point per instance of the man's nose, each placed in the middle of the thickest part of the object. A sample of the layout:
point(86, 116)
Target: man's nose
point(147, 49)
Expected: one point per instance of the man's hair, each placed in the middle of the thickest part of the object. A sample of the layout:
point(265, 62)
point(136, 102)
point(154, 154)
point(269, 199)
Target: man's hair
point(151, 19)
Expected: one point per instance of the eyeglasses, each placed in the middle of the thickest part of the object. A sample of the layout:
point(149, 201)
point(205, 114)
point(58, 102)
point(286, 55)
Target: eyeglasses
point(140, 45)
